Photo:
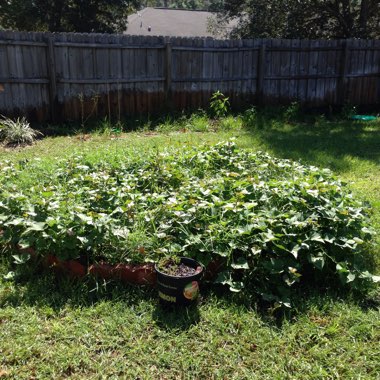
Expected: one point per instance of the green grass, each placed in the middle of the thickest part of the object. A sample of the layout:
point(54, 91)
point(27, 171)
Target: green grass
point(52, 328)
point(57, 331)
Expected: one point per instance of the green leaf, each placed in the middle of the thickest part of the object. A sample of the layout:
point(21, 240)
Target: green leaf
point(329, 238)
point(366, 275)
point(224, 278)
point(240, 263)
point(268, 296)
point(84, 218)
point(9, 276)
point(317, 237)
point(256, 250)
point(289, 281)
point(21, 259)
point(236, 287)
point(285, 304)
point(268, 236)
point(36, 226)
point(317, 261)
point(341, 267)
point(24, 243)
point(3, 217)
point(15, 222)
point(281, 247)
point(295, 250)
point(83, 240)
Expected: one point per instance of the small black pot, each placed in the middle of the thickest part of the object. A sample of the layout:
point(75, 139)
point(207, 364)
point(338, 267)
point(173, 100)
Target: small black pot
point(177, 290)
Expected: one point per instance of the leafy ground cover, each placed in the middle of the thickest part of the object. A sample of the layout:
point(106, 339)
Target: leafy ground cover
point(53, 328)
point(273, 222)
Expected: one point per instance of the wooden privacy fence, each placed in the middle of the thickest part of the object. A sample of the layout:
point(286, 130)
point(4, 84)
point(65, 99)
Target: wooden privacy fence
point(75, 76)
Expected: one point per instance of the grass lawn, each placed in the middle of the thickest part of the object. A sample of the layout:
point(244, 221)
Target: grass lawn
point(51, 328)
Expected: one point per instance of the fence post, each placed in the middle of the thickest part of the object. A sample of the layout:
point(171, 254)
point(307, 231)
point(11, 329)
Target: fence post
point(52, 77)
point(341, 88)
point(168, 73)
point(260, 75)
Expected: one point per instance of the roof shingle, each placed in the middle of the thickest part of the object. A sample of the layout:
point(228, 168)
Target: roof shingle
point(169, 22)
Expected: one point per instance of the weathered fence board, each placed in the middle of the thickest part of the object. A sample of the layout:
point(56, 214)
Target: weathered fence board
point(76, 76)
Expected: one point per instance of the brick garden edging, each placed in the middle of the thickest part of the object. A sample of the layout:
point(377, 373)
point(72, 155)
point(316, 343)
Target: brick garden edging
point(137, 274)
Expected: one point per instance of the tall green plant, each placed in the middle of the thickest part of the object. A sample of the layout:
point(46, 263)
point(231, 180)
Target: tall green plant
point(219, 104)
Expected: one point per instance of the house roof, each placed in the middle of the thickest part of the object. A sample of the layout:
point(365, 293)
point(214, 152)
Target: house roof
point(169, 22)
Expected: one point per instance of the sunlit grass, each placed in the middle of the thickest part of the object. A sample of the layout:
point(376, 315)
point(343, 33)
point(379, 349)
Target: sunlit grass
point(55, 328)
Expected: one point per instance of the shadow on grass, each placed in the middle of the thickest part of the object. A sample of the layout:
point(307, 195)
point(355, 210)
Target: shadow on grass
point(313, 138)
point(171, 317)
point(47, 290)
point(322, 143)
point(125, 124)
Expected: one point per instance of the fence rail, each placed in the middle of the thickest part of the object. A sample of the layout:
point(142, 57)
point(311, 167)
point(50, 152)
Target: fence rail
point(72, 76)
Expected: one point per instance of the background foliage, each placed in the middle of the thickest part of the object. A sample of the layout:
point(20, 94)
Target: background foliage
point(325, 19)
point(210, 5)
point(66, 15)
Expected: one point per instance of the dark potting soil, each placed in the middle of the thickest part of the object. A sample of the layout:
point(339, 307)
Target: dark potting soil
point(179, 270)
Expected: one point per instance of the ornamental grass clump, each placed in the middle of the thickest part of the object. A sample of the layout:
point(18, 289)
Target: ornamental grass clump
point(272, 223)
point(17, 132)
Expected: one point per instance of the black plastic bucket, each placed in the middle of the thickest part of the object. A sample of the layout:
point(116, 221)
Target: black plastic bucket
point(177, 290)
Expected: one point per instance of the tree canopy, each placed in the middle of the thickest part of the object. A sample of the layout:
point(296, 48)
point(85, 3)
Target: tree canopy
point(66, 15)
point(210, 5)
point(303, 19)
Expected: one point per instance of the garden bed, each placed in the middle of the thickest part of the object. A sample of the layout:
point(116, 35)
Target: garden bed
point(273, 222)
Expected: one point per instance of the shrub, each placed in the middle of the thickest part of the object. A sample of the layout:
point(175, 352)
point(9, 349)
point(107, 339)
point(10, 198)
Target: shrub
point(17, 132)
point(273, 222)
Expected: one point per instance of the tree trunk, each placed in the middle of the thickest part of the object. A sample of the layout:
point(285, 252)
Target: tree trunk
point(363, 18)
point(55, 16)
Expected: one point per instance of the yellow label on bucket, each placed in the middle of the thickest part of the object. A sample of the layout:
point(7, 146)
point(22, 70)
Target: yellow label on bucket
point(166, 297)
point(191, 290)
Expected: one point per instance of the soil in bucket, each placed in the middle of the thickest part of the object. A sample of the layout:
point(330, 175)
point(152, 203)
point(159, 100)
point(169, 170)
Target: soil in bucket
point(178, 282)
